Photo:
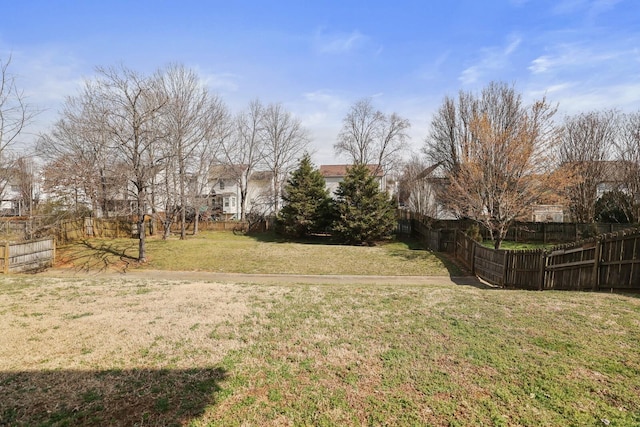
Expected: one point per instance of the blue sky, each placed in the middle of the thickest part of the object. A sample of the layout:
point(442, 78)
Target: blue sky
point(318, 58)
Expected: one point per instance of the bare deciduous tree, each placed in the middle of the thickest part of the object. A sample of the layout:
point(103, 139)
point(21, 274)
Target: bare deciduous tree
point(15, 115)
point(25, 180)
point(190, 115)
point(219, 129)
point(285, 140)
point(77, 145)
point(370, 137)
point(586, 143)
point(130, 107)
point(628, 147)
point(244, 151)
point(497, 154)
point(417, 189)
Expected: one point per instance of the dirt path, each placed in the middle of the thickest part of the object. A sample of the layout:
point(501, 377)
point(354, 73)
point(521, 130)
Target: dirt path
point(267, 278)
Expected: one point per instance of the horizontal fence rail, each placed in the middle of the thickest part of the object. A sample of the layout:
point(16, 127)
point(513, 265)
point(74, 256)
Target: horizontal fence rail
point(608, 262)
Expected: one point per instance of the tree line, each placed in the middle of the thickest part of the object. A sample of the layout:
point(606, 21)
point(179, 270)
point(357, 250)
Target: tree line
point(490, 156)
point(151, 139)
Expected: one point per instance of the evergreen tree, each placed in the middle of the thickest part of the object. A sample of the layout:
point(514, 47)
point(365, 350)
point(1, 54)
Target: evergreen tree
point(614, 206)
point(306, 201)
point(364, 213)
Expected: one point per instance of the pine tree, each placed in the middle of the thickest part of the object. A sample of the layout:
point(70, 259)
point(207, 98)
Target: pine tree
point(306, 201)
point(364, 213)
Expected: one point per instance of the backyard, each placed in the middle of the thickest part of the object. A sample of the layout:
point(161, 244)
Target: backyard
point(109, 349)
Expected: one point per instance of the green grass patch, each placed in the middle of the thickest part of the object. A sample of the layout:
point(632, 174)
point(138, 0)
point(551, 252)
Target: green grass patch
point(516, 246)
point(261, 254)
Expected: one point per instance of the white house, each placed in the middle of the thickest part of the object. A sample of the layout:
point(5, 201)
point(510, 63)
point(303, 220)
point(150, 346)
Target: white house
point(225, 191)
point(334, 175)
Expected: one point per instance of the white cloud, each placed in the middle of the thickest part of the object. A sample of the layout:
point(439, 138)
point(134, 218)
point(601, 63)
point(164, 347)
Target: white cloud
point(340, 43)
point(541, 64)
point(48, 75)
point(624, 97)
point(591, 8)
point(220, 81)
point(579, 57)
point(492, 59)
point(326, 98)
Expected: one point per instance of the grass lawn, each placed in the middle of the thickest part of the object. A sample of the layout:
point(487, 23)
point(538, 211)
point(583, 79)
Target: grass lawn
point(515, 246)
point(263, 253)
point(161, 353)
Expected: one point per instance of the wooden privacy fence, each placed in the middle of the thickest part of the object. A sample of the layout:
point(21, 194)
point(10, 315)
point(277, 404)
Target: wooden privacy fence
point(610, 262)
point(82, 228)
point(545, 232)
point(16, 257)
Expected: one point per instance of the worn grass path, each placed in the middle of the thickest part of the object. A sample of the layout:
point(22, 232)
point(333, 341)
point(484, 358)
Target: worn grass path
point(267, 278)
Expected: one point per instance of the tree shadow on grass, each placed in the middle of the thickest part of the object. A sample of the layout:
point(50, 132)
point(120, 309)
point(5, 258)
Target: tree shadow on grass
point(97, 255)
point(164, 397)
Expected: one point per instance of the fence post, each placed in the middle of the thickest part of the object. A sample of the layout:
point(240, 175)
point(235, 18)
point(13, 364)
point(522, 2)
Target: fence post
point(505, 268)
point(473, 257)
point(6, 258)
point(595, 278)
point(543, 267)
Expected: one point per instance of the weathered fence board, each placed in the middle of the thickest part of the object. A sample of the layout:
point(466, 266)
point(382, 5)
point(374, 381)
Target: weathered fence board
point(609, 262)
point(619, 264)
point(465, 250)
point(18, 257)
point(525, 269)
point(490, 264)
point(520, 231)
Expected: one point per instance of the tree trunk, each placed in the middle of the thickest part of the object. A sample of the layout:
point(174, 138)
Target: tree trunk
point(142, 232)
point(196, 221)
point(497, 243)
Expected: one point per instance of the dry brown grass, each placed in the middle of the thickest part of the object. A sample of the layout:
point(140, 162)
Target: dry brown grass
point(158, 352)
point(66, 343)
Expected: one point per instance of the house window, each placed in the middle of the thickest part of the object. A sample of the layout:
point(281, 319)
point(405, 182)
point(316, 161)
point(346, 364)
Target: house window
point(221, 184)
point(226, 202)
point(233, 202)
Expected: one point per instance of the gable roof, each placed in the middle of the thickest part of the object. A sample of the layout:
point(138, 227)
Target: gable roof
point(340, 171)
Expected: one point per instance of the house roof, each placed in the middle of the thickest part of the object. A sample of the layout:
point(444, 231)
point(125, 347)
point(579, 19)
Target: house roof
point(339, 171)
point(261, 176)
point(226, 171)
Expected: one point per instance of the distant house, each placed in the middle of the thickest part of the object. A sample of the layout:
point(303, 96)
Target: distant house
point(20, 191)
point(225, 191)
point(547, 213)
point(419, 193)
point(12, 203)
point(334, 175)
